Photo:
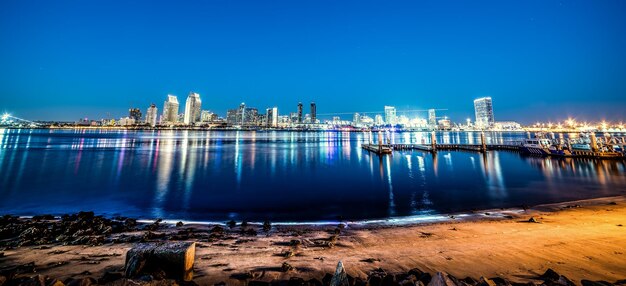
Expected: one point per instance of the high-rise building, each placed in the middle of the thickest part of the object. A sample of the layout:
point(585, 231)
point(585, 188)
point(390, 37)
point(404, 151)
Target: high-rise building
point(242, 116)
point(378, 120)
point(272, 117)
point(135, 114)
point(299, 112)
point(313, 113)
point(170, 109)
point(151, 115)
point(483, 109)
point(356, 119)
point(390, 115)
point(192, 108)
point(432, 117)
point(207, 116)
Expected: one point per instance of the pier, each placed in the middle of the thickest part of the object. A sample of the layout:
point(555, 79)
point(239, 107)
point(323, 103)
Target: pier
point(598, 147)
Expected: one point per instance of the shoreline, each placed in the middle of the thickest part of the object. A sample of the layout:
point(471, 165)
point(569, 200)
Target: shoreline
point(582, 239)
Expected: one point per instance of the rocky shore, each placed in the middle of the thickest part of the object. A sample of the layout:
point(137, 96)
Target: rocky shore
point(580, 243)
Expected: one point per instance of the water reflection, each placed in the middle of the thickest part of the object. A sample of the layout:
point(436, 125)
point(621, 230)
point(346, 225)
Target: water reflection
point(279, 175)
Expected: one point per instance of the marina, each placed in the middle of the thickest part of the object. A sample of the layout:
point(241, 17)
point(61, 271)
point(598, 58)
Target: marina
point(588, 146)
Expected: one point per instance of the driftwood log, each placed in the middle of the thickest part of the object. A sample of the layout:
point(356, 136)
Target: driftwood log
point(174, 259)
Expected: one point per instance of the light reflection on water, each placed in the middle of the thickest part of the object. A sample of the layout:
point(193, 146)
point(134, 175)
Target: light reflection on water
point(282, 176)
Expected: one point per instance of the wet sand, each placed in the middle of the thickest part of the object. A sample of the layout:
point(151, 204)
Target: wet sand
point(581, 240)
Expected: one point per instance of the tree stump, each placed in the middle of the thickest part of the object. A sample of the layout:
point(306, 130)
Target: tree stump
point(175, 259)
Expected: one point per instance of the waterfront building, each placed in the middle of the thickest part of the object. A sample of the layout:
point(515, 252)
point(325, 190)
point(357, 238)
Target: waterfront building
point(356, 119)
point(299, 120)
point(242, 116)
point(151, 115)
point(126, 121)
point(366, 120)
point(272, 117)
point(390, 115)
point(378, 120)
point(192, 108)
point(432, 117)
point(483, 109)
point(207, 116)
point(170, 110)
point(445, 124)
point(135, 114)
point(313, 113)
point(507, 125)
point(402, 120)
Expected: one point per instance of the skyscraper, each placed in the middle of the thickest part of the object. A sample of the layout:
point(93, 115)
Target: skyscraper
point(432, 117)
point(151, 115)
point(313, 113)
point(272, 117)
point(135, 114)
point(192, 108)
point(483, 109)
point(170, 109)
point(299, 112)
point(356, 119)
point(390, 115)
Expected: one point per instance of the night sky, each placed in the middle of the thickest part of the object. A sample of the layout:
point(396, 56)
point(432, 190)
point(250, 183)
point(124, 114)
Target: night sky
point(538, 60)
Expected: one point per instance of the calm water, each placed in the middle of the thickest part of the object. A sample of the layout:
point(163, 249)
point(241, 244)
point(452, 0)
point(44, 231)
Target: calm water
point(281, 176)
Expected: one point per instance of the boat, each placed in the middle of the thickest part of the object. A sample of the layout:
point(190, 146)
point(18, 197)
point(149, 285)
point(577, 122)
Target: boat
point(543, 147)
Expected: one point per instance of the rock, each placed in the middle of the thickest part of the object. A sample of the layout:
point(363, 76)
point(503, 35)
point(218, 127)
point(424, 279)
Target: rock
point(314, 282)
point(267, 226)
point(257, 283)
point(424, 277)
point(501, 281)
point(87, 281)
point(231, 224)
point(441, 279)
point(3, 280)
point(565, 281)
point(389, 280)
point(550, 275)
point(110, 277)
point(1, 254)
point(175, 259)
point(53, 282)
point(591, 283)
point(532, 219)
point(286, 267)
point(179, 224)
point(340, 278)
point(326, 279)
point(485, 282)
point(295, 281)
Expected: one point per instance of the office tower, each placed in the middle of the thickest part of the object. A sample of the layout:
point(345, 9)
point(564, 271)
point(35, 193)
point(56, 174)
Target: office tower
point(356, 119)
point(378, 120)
point(135, 114)
point(242, 113)
point(151, 115)
point(390, 115)
point(299, 112)
point(170, 109)
point(272, 117)
point(483, 109)
point(192, 108)
point(432, 117)
point(313, 113)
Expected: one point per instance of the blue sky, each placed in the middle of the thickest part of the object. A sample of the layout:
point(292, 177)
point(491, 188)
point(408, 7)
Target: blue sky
point(538, 60)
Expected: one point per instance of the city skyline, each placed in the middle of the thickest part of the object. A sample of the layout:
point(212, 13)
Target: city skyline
point(347, 57)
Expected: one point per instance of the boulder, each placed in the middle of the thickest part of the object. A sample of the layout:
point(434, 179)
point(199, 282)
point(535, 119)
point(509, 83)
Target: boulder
point(340, 278)
point(595, 283)
point(175, 259)
point(441, 279)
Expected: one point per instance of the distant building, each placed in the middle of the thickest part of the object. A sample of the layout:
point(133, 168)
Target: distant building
point(151, 115)
point(126, 121)
point(378, 120)
point(445, 124)
point(299, 120)
point(432, 117)
point(507, 125)
point(356, 119)
point(208, 116)
point(242, 116)
point(483, 109)
point(364, 119)
point(135, 114)
point(192, 108)
point(272, 117)
point(313, 113)
point(390, 115)
point(170, 109)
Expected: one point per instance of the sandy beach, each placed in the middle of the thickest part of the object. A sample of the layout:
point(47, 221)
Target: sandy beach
point(580, 240)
